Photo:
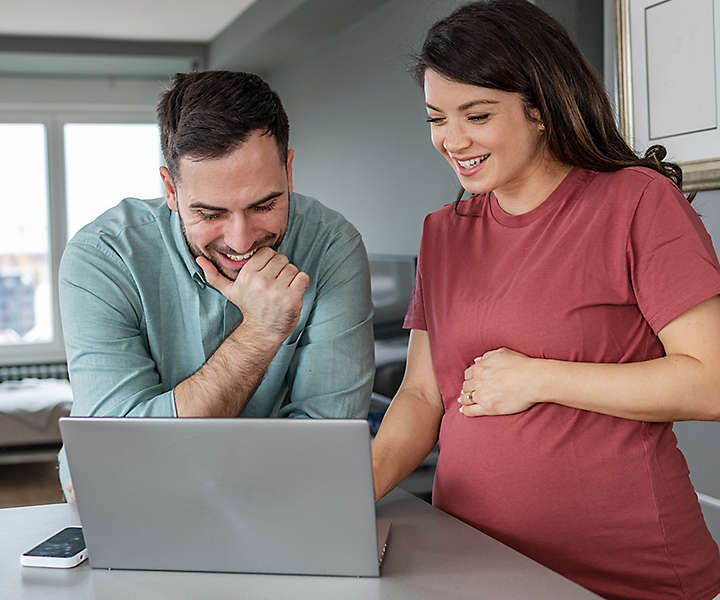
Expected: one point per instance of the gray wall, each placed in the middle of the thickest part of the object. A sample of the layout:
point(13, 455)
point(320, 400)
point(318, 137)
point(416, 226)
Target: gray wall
point(358, 126)
point(358, 119)
point(584, 21)
point(707, 205)
point(700, 442)
point(270, 31)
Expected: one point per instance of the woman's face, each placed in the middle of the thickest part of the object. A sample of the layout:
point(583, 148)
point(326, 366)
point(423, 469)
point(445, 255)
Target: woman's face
point(484, 134)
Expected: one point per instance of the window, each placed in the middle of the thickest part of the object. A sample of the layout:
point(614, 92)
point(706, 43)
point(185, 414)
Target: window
point(25, 298)
point(57, 173)
point(106, 163)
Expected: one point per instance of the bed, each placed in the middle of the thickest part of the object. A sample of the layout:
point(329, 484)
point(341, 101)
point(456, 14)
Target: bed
point(29, 412)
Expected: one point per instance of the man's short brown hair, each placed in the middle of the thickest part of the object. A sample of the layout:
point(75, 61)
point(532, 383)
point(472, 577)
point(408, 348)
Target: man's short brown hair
point(209, 114)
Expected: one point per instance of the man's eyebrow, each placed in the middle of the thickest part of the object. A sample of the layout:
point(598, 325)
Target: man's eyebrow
point(202, 206)
point(270, 196)
point(467, 104)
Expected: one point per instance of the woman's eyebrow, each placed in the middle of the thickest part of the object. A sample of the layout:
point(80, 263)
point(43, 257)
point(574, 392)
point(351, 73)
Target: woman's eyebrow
point(467, 104)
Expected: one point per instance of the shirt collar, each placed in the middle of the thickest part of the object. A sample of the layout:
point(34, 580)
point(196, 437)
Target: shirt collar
point(181, 246)
point(286, 242)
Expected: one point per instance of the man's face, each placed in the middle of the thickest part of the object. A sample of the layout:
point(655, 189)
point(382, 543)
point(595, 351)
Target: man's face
point(231, 206)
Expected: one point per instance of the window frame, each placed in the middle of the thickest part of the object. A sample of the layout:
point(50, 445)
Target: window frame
point(54, 121)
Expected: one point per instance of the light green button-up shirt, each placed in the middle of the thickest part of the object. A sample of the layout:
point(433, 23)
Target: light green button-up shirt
point(139, 318)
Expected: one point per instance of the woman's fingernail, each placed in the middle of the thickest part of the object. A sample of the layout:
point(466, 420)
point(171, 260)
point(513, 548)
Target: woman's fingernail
point(461, 409)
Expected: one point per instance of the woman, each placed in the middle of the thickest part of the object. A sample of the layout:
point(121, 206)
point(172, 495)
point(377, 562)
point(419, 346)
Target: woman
point(562, 318)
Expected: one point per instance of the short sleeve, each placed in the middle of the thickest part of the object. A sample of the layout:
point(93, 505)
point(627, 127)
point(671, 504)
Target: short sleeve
point(673, 265)
point(415, 317)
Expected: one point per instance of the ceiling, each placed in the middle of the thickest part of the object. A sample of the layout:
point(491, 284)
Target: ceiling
point(157, 38)
point(156, 20)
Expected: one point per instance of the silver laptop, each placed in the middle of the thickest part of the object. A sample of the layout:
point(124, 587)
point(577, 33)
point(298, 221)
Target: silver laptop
point(239, 495)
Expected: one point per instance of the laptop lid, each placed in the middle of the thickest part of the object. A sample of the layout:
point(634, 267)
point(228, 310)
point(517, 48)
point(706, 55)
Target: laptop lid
point(239, 495)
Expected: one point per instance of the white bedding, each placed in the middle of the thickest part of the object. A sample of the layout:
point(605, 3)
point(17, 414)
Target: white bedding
point(30, 409)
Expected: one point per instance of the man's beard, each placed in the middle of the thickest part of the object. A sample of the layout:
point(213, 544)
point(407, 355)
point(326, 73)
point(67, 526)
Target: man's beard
point(195, 251)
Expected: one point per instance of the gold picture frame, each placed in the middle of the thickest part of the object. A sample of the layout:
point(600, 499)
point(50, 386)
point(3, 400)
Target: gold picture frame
point(698, 175)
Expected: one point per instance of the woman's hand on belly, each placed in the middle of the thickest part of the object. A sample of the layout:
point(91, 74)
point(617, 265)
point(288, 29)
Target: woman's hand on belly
point(500, 382)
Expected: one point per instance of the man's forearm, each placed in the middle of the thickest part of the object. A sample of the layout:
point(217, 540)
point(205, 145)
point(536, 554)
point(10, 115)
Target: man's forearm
point(229, 378)
point(671, 388)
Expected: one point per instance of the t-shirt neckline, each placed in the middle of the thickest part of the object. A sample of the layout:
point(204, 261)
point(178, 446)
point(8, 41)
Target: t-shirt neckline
point(573, 179)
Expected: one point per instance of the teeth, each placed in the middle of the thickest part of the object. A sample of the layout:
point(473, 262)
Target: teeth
point(237, 257)
point(473, 162)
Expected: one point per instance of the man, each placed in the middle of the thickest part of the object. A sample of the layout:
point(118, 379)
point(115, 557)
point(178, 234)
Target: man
point(233, 296)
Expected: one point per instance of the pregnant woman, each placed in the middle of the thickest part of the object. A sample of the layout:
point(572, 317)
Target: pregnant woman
point(563, 317)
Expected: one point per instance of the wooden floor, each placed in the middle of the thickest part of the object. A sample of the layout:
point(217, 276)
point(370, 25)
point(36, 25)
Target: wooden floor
point(28, 484)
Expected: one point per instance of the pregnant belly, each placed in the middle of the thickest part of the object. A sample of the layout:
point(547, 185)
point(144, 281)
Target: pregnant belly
point(544, 477)
point(606, 502)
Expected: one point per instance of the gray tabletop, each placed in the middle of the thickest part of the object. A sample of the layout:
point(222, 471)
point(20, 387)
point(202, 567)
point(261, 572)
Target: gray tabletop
point(430, 555)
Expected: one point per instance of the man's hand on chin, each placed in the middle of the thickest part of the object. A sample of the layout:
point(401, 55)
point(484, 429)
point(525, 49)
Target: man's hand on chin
point(268, 291)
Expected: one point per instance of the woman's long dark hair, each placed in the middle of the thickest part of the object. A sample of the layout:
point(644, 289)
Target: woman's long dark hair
point(513, 46)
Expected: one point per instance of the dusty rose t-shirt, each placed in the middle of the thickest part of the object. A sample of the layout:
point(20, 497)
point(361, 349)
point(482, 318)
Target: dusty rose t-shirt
point(591, 275)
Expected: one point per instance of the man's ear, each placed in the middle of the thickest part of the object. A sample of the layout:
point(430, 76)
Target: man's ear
point(169, 186)
point(288, 168)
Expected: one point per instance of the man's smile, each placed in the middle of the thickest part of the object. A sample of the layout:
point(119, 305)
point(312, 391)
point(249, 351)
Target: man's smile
point(237, 257)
